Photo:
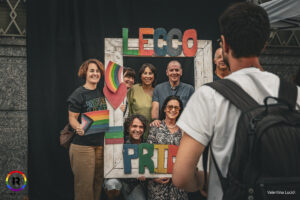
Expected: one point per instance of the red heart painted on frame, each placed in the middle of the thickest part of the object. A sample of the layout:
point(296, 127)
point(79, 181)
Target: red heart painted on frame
point(115, 99)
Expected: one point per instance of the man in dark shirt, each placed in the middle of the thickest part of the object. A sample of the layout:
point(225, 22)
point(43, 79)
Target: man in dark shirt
point(172, 87)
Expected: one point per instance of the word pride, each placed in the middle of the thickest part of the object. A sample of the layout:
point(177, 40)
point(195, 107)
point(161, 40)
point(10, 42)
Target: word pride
point(145, 159)
point(190, 34)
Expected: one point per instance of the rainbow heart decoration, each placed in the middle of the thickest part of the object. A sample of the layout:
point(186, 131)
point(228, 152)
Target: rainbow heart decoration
point(113, 73)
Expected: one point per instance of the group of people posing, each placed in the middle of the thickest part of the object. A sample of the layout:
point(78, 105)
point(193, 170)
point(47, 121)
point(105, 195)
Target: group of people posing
point(150, 114)
point(151, 111)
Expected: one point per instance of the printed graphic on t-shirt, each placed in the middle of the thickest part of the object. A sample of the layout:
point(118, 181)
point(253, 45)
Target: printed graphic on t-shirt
point(96, 104)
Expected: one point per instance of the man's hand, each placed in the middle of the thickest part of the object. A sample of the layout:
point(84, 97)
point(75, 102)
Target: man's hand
point(155, 123)
point(141, 178)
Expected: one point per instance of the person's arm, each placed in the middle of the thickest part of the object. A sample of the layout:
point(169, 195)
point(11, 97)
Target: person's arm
point(154, 114)
point(130, 99)
point(185, 173)
point(73, 120)
point(155, 109)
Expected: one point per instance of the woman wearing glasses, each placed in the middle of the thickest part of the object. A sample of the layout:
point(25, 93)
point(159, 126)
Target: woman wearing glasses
point(166, 133)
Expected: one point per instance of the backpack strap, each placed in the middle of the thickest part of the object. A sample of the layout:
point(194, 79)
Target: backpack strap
point(234, 93)
point(288, 92)
point(243, 101)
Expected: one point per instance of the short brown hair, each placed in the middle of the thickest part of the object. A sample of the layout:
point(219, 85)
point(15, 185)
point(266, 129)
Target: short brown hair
point(85, 65)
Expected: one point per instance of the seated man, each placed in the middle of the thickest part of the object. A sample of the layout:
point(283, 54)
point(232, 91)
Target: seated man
point(134, 128)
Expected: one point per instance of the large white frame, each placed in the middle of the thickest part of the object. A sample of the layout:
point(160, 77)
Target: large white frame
point(113, 157)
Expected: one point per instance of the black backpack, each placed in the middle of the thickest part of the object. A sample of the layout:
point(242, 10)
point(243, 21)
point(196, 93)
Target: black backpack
point(265, 161)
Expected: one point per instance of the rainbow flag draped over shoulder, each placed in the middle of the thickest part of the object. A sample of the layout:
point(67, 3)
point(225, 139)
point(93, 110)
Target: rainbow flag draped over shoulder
point(113, 73)
point(95, 121)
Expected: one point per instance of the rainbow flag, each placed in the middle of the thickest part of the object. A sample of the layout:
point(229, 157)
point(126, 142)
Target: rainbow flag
point(113, 73)
point(114, 135)
point(95, 121)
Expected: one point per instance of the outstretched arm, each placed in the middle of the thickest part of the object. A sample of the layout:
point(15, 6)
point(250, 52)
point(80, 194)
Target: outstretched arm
point(185, 173)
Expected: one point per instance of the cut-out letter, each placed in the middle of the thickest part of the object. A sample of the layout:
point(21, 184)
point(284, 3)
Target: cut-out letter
point(189, 34)
point(160, 158)
point(145, 31)
point(126, 51)
point(157, 33)
point(145, 159)
point(171, 51)
point(127, 158)
point(171, 153)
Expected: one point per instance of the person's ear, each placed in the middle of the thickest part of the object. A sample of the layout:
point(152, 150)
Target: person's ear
point(225, 46)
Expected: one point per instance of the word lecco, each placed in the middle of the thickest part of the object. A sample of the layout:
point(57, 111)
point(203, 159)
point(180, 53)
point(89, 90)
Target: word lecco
point(145, 159)
point(168, 37)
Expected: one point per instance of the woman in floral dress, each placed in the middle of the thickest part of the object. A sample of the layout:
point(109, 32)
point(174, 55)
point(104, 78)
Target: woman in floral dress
point(166, 133)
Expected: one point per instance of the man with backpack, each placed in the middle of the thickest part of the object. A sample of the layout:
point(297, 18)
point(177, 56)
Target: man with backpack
point(254, 145)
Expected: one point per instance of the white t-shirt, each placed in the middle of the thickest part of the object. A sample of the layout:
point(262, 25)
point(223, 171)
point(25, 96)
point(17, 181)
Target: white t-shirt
point(208, 113)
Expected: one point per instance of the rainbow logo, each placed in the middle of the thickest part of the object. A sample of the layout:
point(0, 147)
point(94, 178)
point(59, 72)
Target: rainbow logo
point(95, 121)
point(113, 76)
point(16, 189)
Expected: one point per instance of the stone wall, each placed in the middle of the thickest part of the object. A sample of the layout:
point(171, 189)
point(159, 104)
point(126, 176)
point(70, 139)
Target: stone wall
point(13, 113)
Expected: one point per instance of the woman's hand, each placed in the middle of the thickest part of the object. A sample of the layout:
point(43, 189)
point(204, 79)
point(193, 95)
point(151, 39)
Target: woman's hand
point(141, 178)
point(161, 180)
point(79, 130)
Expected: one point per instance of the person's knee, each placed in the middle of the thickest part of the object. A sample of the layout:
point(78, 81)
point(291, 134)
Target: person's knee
point(111, 194)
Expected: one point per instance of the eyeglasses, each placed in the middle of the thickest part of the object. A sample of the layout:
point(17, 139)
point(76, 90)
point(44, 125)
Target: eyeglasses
point(171, 107)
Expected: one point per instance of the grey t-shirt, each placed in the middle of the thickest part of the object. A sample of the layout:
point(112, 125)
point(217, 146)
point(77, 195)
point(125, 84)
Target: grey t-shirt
point(163, 90)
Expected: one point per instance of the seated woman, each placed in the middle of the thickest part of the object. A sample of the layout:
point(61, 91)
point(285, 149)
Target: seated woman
point(132, 188)
point(140, 95)
point(167, 133)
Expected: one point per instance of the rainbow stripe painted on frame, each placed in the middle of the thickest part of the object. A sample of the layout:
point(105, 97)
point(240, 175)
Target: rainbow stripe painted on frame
point(113, 73)
point(24, 177)
point(114, 135)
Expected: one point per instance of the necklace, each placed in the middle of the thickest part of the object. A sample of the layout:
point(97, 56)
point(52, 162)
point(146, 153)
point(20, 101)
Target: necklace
point(171, 127)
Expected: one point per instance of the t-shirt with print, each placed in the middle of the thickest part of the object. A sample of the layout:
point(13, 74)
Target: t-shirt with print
point(84, 100)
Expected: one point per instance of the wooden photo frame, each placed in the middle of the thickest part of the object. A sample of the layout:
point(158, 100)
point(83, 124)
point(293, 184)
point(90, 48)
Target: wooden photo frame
point(203, 73)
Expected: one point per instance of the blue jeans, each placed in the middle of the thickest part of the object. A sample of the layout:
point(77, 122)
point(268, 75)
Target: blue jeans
point(136, 193)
